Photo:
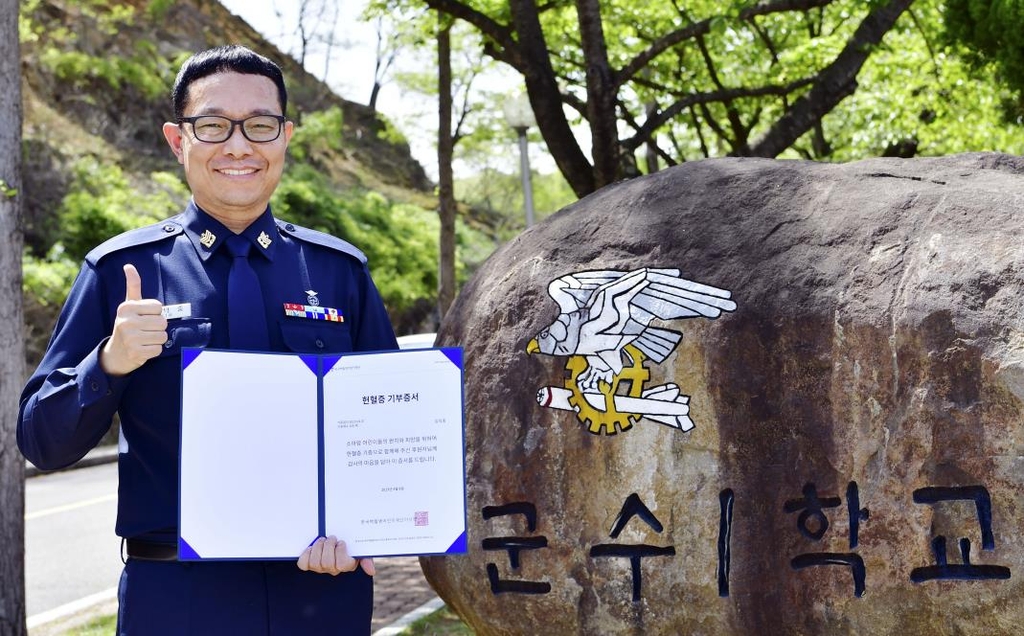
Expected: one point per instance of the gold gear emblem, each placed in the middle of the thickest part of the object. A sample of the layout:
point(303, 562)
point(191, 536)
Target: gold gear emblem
point(630, 381)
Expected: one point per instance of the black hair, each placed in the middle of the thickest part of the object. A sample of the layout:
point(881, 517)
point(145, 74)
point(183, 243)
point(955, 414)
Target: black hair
point(233, 58)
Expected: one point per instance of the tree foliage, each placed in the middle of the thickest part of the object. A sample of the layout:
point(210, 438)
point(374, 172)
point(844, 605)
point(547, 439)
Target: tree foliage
point(923, 95)
point(991, 29)
point(451, 82)
point(689, 79)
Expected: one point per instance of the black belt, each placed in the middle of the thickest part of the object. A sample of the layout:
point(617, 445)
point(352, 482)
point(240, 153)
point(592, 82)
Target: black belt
point(151, 551)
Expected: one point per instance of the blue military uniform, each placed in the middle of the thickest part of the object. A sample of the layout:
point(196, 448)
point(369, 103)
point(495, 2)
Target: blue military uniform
point(69, 402)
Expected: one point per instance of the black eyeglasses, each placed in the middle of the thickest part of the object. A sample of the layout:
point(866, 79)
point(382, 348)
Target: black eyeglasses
point(215, 129)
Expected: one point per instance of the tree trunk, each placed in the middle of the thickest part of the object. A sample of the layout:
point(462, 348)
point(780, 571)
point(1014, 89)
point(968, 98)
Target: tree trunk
point(651, 152)
point(601, 94)
point(385, 56)
point(446, 185)
point(329, 39)
point(12, 373)
point(546, 100)
point(300, 28)
point(373, 96)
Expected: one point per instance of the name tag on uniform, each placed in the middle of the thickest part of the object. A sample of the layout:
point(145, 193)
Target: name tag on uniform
point(184, 310)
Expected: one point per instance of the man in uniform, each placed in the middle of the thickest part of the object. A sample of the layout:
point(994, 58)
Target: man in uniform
point(217, 275)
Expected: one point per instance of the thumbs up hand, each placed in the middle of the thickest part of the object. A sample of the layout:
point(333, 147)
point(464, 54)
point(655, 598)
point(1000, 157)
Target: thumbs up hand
point(140, 329)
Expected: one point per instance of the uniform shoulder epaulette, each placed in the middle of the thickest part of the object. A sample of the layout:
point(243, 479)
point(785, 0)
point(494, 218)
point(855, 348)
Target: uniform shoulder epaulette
point(131, 238)
point(321, 238)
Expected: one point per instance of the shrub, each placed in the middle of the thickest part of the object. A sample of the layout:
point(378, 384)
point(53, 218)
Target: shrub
point(399, 240)
point(101, 203)
point(320, 132)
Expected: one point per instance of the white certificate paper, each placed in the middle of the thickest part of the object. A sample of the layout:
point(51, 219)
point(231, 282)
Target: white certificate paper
point(277, 449)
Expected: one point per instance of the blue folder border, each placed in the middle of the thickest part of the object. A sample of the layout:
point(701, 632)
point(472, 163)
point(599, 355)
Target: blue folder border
point(320, 364)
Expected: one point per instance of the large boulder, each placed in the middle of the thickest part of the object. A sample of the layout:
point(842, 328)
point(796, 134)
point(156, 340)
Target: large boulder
point(850, 458)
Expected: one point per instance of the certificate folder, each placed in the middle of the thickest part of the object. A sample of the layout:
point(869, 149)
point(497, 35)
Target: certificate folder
point(278, 449)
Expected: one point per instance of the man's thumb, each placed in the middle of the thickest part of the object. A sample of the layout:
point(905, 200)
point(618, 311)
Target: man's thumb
point(133, 283)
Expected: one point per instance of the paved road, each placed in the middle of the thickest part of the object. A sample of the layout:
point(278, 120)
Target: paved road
point(71, 550)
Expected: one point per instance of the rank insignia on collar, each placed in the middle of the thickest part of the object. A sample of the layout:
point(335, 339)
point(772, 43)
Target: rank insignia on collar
point(312, 299)
point(208, 239)
point(264, 240)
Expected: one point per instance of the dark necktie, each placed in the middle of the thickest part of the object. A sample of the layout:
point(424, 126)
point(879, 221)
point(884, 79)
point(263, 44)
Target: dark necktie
point(247, 321)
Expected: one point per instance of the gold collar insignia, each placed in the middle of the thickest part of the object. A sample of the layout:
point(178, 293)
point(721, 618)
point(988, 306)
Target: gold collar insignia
point(208, 238)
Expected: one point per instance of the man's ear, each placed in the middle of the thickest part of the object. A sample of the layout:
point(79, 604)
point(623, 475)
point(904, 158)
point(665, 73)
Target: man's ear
point(172, 133)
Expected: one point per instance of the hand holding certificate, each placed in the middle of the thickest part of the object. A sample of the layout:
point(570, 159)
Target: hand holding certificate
point(277, 449)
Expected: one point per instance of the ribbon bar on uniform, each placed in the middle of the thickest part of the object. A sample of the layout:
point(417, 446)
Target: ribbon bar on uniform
point(313, 311)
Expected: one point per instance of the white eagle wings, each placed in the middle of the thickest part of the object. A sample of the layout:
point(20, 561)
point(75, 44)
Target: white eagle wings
point(603, 311)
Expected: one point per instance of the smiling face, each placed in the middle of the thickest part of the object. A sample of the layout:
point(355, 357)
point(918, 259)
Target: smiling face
point(233, 180)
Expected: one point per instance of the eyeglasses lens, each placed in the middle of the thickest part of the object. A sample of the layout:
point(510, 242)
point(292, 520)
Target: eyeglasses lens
point(215, 129)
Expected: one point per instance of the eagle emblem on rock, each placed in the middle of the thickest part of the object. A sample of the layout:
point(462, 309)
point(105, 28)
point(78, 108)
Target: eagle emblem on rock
point(607, 326)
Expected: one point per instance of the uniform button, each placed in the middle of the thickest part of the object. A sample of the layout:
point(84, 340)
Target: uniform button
point(319, 343)
point(290, 227)
point(168, 344)
point(168, 228)
point(94, 385)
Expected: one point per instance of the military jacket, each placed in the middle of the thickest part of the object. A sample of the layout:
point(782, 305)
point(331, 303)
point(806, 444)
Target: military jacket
point(69, 402)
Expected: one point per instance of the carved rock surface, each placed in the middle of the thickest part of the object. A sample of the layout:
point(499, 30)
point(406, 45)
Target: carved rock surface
point(869, 380)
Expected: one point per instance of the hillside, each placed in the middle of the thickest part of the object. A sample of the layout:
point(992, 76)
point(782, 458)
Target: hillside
point(97, 77)
point(96, 83)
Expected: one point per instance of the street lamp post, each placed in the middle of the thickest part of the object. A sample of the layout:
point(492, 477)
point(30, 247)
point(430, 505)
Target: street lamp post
point(519, 116)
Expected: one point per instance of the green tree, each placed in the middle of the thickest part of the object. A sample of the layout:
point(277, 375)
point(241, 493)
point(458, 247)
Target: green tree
point(921, 93)
point(451, 82)
point(690, 79)
point(991, 30)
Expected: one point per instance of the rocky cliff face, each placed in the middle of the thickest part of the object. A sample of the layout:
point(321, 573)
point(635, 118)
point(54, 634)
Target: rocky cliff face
point(832, 446)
